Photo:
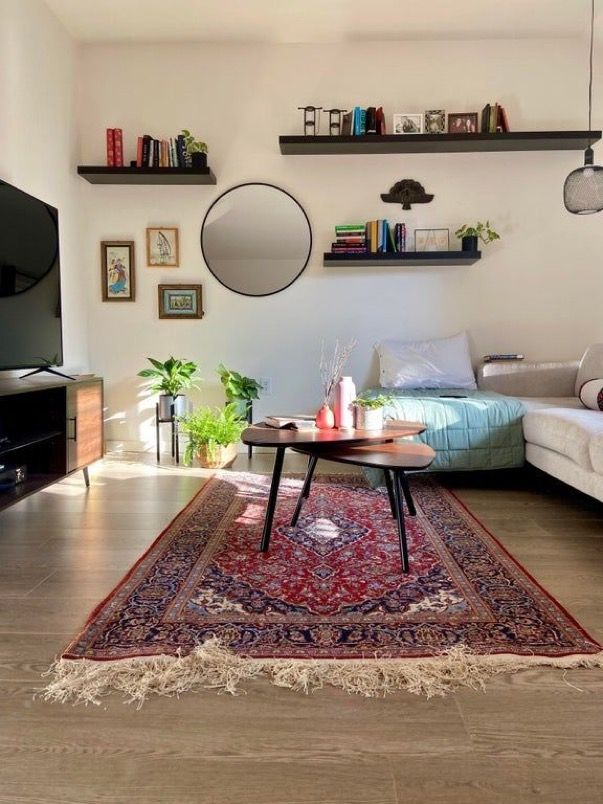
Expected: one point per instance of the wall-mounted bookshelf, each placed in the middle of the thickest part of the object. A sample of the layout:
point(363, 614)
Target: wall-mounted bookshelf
point(439, 143)
point(401, 259)
point(101, 174)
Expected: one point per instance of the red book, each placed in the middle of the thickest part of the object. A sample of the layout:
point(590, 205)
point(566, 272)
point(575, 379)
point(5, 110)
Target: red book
point(110, 148)
point(139, 152)
point(119, 147)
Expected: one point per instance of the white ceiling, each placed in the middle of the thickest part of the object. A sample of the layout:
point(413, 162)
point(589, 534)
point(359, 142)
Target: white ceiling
point(318, 20)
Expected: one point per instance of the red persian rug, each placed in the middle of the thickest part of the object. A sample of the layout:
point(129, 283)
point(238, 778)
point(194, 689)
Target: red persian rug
point(327, 604)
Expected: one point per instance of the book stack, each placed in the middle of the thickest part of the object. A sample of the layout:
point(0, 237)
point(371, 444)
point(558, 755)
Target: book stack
point(494, 119)
point(115, 147)
point(162, 153)
point(350, 238)
point(372, 237)
point(363, 121)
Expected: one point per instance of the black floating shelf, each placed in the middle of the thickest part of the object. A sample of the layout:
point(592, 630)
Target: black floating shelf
point(404, 258)
point(440, 143)
point(100, 174)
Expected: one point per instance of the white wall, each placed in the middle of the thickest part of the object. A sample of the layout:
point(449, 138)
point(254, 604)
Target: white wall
point(38, 141)
point(538, 291)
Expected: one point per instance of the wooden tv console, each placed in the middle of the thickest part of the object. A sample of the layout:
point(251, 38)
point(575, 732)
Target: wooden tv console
point(53, 427)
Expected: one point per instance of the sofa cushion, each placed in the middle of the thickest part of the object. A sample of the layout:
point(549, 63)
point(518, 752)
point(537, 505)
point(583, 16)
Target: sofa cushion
point(591, 366)
point(568, 432)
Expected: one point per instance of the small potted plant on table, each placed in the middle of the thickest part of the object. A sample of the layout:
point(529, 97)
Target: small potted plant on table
point(369, 411)
point(169, 379)
point(212, 434)
point(195, 149)
point(470, 235)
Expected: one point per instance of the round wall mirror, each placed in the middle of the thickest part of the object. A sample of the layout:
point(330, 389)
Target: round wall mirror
point(256, 239)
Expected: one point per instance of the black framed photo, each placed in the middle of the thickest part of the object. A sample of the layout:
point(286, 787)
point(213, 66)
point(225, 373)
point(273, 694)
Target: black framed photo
point(180, 301)
point(463, 123)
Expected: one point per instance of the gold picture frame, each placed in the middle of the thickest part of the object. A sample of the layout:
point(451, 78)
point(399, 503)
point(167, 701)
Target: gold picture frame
point(180, 301)
point(163, 247)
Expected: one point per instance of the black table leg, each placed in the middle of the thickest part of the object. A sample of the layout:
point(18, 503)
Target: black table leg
point(305, 491)
point(407, 495)
point(400, 519)
point(276, 477)
point(390, 492)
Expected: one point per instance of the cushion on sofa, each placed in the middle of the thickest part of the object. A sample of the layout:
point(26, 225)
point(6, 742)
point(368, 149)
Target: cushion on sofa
point(591, 366)
point(568, 432)
point(438, 363)
point(591, 394)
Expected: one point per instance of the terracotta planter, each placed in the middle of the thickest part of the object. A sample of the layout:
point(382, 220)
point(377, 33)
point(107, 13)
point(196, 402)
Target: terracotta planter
point(216, 458)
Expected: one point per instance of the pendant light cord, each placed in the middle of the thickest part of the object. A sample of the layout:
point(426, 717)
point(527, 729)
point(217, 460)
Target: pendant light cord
point(590, 78)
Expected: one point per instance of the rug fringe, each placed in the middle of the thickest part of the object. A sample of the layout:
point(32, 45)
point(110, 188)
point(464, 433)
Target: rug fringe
point(210, 666)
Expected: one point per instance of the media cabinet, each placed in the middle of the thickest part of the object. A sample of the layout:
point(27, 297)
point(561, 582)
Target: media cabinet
point(53, 427)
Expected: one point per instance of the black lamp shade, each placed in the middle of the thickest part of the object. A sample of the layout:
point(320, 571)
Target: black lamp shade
point(583, 188)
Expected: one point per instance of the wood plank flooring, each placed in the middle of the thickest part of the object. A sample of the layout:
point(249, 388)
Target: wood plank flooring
point(533, 737)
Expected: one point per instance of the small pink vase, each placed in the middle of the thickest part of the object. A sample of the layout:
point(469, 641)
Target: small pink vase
point(325, 418)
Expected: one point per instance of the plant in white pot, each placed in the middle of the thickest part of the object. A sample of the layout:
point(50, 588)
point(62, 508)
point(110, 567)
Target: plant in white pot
point(169, 379)
point(369, 411)
point(212, 435)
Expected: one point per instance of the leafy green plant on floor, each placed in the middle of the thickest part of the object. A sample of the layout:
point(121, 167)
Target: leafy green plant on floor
point(209, 429)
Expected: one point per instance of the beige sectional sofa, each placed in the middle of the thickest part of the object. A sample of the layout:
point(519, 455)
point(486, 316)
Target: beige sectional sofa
point(563, 437)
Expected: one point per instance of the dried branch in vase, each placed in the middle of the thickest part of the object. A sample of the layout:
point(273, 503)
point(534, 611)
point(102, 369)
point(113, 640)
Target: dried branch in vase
point(331, 367)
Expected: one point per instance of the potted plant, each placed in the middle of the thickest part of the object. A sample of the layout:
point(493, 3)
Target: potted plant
point(369, 411)
point(239, 390)
point(196, 149)
point(471, 234)
point(212, 435)
point(169, 379)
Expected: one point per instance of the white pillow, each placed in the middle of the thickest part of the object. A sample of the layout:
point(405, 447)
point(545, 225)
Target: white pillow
point(591, 394)
point(441, 363)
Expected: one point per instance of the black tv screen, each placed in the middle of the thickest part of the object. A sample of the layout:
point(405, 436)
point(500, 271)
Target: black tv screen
point(30, 282)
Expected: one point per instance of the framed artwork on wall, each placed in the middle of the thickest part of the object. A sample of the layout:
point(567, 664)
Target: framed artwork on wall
point(180, 301)
point(163, 247)
point(118, 270)
point(432, 240)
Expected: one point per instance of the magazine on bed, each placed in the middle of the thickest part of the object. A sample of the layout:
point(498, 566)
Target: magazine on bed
point(302, 422)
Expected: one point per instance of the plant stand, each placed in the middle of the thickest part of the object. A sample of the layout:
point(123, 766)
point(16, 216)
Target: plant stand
point(250, 422)
point(175, 435)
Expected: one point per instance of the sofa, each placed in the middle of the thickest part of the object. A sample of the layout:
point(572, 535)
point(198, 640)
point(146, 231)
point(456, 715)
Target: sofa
point(562, 436)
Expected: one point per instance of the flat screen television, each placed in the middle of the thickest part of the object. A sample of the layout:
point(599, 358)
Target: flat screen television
point(30, 282)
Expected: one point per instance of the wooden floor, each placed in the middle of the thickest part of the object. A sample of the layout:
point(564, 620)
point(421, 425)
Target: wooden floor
point(535, 736)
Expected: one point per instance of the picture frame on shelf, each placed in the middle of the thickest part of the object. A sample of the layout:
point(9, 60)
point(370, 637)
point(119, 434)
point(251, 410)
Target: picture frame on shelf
point(435, 121)
point(463, 123)
point(180, 301)
point(118, 270)
point(163, 248)
point(407, 123)
point(432, 240)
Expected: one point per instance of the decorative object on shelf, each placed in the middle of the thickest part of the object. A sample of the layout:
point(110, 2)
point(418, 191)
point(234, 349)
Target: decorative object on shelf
point(463, 123)
point(435, 121)
point(163, 246)
point(432, 240)
point(311, 120)
point(345, 393)
point(245, 225)
point(407, 123)
point(469, 235)
point(212, 435)
point(169, 379)
point(180, 301)
point(196, 150)
point(369, 411)
point(331, 369)
point(583, 188)
point(118, 270)
point(335, 119)
point(407, 192)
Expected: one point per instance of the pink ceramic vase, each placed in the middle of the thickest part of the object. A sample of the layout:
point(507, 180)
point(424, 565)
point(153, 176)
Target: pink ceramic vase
point(325, 418)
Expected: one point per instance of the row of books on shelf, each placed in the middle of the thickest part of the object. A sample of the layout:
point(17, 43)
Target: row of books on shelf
point(363, 121)
point(372, 237)
point(149, 151)
point(494, 119)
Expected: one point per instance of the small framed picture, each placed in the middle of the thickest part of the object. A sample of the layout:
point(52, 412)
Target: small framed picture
point(432, 240)
point(465, 123)
point(435, 121)
point(162, 246)
point(407, 123)
point(180, 301)
point(117, 270)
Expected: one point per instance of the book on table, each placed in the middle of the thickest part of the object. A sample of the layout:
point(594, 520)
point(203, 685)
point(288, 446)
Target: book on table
point(302, 422)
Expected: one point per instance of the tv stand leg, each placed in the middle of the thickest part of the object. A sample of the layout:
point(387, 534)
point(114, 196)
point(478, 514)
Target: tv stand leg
point(86, 477)
point(44, 370)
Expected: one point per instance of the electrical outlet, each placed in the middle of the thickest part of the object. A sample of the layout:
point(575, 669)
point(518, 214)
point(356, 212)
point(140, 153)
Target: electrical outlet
point(266, 385)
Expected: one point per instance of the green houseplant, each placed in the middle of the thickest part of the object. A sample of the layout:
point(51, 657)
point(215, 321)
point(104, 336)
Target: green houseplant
point(169, 378)
point(195, 149)
point(369, 411)
point(471, 234)
point(212, 435)
point(239, 389)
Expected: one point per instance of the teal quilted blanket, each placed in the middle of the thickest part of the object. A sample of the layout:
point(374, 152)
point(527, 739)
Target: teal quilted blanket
point(468, 429)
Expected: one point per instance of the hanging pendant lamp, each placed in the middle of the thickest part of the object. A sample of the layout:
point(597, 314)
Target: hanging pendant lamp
point(583, 188)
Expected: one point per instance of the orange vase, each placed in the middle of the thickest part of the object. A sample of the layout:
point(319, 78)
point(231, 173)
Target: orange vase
point(325, 418)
